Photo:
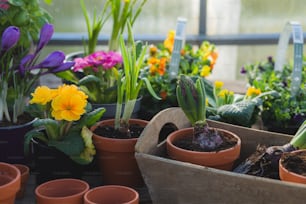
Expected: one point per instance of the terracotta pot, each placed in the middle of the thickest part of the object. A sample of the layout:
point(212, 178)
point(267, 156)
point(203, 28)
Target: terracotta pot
point(68, 191)
point(286, 175)
point(111, 194)
point(116, 157)
point(223, 159)
point(25, 173)
point(9, 183)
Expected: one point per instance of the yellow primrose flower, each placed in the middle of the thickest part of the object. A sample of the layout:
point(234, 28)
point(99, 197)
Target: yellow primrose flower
point(219, 84)
point(42, 95)
point(71, 90)
point(252, 91)
point(223, 93)
point(205, 71)
point(68, 107)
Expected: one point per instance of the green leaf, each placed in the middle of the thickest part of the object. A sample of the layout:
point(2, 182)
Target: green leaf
point(91, 118)
point(89, 79)
point(67, 75)
point(51, 127)
point(31, 134)
point(71, 145)
point(239, 113)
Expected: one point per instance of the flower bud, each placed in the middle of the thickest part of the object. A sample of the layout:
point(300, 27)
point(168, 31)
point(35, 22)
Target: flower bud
point(46, 33)
point(10, 38)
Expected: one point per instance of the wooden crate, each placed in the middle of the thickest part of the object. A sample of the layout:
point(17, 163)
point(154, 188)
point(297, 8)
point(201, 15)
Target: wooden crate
point(171, 181)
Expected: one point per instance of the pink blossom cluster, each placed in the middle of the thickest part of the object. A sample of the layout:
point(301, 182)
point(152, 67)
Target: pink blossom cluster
point(4, 5)
point(106, 60)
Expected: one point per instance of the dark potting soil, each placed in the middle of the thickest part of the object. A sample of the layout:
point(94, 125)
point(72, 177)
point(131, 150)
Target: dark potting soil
point(187, 144)
point(23, 119)
point(295, 162)
point(111, 132)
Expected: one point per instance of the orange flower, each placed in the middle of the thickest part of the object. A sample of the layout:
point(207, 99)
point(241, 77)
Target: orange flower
point(162, 66)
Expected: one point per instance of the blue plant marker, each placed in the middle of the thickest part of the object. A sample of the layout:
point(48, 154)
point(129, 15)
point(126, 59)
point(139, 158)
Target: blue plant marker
point(283, 42)
point(178, 44)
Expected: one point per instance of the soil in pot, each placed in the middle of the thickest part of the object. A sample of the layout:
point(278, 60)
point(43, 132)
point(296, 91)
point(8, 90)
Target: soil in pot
point(110, 132)
point(186, 143)
point(295, 162)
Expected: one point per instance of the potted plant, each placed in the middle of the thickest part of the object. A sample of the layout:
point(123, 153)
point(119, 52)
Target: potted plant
point(61, 139)
point(95, 70)
point(200, 144)
point(238, 109)
point(193, 62)
point(19, 74)
point(284, 112)
point(267, 161)
point(292, 164)
point(115, 138)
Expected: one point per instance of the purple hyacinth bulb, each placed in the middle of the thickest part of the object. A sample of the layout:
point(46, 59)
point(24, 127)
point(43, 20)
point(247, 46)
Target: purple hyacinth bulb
point(10, 38)
point(46, 33)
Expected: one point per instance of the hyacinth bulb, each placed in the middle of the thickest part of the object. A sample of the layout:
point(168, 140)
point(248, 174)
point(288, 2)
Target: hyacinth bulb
point(10, 38)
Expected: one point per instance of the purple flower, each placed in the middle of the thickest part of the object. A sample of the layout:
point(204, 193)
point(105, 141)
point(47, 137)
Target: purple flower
point(25, 62)
point(46, 33)
point(10, 38)
point(243, 70)
point(63, 67)
point(54, 59)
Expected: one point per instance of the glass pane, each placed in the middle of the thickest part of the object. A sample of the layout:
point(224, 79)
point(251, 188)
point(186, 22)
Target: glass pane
point(157, 16)
point(252, 16)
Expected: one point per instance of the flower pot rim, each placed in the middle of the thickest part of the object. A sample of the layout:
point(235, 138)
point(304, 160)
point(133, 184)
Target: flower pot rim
point(86, 188)
point(112, 186)
point(281, 166)
point(11, 127)
point(15, 179)
point(210, 152)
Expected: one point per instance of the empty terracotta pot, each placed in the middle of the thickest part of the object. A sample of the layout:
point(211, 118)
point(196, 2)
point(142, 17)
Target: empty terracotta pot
point(9, 183)
point(68, 191)
point(111, 194)
point(25, 173)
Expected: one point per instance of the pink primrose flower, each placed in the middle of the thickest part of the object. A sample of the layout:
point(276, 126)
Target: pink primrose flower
point(80, 64)
point(4, 5)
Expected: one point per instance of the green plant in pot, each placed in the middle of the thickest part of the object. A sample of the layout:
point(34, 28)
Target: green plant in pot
point(283, 112)
point(96, 71)
point(63, 120)
point(200, 144)
point(116, 138)
point(238, 109)
point(19, 74)
point(266, 160)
